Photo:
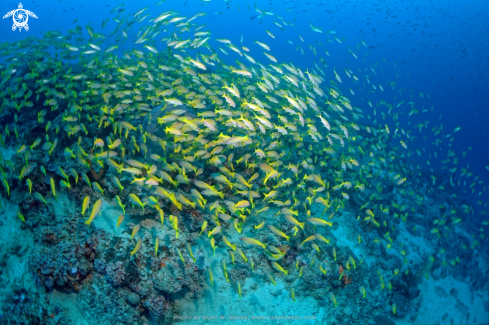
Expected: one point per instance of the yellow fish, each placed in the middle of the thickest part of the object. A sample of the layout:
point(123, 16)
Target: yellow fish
point(86, 203)
point(277, 267)
point(138, 246)
point(95, 210)
point(120, 219)
point(278, 232)
point(253, 242)
point(319, 222)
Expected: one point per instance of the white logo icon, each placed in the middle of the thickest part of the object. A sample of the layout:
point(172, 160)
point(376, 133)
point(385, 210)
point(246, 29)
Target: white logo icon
point(20, 17)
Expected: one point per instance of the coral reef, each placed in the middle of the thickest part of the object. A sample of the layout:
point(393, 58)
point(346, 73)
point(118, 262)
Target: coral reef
point(234, 196)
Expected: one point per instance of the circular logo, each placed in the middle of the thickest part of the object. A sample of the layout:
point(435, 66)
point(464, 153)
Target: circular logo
point(20, 17)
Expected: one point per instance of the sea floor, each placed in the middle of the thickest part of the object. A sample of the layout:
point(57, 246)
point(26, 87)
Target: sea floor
point(441, 295)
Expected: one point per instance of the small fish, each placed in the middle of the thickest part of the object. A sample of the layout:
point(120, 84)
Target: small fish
point(21, 149)
point(242, 204)
point(21, 217)
point(362, 291)
point(53, 187)
point(120, 219)
point(180, 255)
point(85, 178)
point(189, 251)
point(270, 278)
point(253, 242)
point(227, 243)
point(85, 205)
point(119, 202)
point(96, 187)
point(213, 245)
point(115, 144)
point(36, 143)
point(294, 221)
point(313, 237)
point(61, 172)
point(278, 232)
point(319, 222)
point(29, 184)
point(260, 226)
point(224, 269)
point(73, 173)
point(264, 209)
point(116, 181)
point(136, 200)
point(5, 184)
point(98, 143)
point(279, 268)
point(320, 237)
point(134, 171)
point(39, 196)
point(151, 48)
point(135, 231)
point(137, 247)
point(214, 231)
point(97, 207)
point(157, 244)
point(162, 216)
point(203, 227)
point(211, 278)
point(315, 247)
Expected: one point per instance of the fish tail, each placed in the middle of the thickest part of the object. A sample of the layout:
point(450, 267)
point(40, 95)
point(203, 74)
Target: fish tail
point(301, 224)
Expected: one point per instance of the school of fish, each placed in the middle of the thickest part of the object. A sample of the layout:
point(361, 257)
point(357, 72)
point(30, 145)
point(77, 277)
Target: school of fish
point(244, 141)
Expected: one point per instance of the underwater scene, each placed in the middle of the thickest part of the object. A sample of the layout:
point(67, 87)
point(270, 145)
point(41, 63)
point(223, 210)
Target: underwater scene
point(244, 162)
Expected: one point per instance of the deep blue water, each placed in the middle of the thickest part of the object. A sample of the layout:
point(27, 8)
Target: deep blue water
point(429, 57)
point(438, 48)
